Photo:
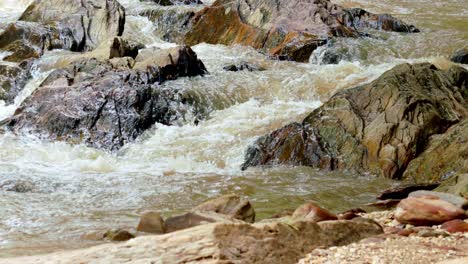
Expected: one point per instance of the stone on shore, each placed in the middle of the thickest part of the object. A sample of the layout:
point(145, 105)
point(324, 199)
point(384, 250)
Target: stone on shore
point(312, 212)
point(151, 222)
point(458, 201)
point(426, 211)
point(456, 184)
point(455, 226)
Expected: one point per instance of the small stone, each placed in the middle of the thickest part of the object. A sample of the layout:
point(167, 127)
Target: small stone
point(231, 205)
point(151, 222)
point(455, 226)
point(312, 212)
point(118, 235)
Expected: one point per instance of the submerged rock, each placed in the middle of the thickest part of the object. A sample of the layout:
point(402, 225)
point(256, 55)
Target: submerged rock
point(427, 211)
point(289, 30)
point(91, 102)
point(378, 127)
point(243, 67)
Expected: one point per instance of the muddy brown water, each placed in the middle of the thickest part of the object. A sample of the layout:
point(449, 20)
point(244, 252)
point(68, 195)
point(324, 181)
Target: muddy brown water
point(69, 191)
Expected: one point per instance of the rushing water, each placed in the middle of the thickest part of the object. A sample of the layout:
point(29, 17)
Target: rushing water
point(72, 190)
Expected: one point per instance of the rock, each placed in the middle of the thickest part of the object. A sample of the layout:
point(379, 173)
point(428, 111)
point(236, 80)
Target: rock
point(445, 155)
point(12, 80)
point(377, 127)
point(174, 2)
point(402, 191)
point(123, 48)
point(191, 219)
point(460, 56)
point(426, 211)
point(172, 63)
point(270, 243)
point(312, 212)
point(171, 24)
point(231, 205)
point(347, 216)
point(19, 186)
point(118, 235)
point(431, 232)
point(91, 102)
point(458, 201)
point(455, 226)
point(284, 29)
point(457, 185)
point(90, 22)
point(27, 40)
point(242, 66)
point(151, 222)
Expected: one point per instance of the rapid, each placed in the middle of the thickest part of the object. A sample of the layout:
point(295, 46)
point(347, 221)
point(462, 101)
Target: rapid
point(54, 195)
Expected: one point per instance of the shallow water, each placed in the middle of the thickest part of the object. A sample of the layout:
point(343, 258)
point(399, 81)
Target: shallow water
point(72, 190)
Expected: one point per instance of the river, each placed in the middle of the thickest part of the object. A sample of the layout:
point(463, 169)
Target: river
point(74, 190)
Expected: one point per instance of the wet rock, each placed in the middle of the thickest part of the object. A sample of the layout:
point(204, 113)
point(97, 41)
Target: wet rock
point(266, 243)
point(124, 48)
point(174, 2)
point(151, 222)
point(457, 185)
point(445, 155)
point(242, 67)
point(385, 204)
point(230, 205)
point(91, 102)
point(455, 226)
point(312, 212)
point(422, 211)
point(90, 22)
point(377, 127)
point(458, 201)
point(401, 192)
point(460, 56)
point(191, 219)
point(284, 29)
point(12, 80)
point(19, 186)
point(118, 235)
point(171, 24)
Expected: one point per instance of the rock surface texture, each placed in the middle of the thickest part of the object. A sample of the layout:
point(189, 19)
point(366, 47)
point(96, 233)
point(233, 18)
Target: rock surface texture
point(378, 127)
point(94, 103)
point(221, 243)
point(284, 29)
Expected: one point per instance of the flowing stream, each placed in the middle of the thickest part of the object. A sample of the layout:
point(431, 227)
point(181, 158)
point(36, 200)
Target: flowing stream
point(54, 195)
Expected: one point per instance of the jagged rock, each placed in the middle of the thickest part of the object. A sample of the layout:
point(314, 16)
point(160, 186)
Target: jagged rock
point(91, 102)
point(284, 29)
point(312, 212)
point(90, 22)
point(171, 24)
point(402, 191)
point(450, 198)
point(261, 243)
point(460, 56)
point(124, 48)
point(12, 79)
point(174, 2)
point(230, 205)
point(446, 154)
point(427, 211)
point(457, 185)
point(151, 222)
point(377, 127)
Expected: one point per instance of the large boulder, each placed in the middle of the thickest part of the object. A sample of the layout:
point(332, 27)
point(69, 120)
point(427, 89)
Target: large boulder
point(456, 184)
point(285, 29)
point(377, 127)
point(91, 22)
point(93, 103)
point(268, 243)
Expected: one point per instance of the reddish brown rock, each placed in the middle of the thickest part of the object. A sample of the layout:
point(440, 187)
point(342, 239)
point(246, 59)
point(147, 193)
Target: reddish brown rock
point(424, 211)
point(455, 226)
point(151, 222)
point(312, 212)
